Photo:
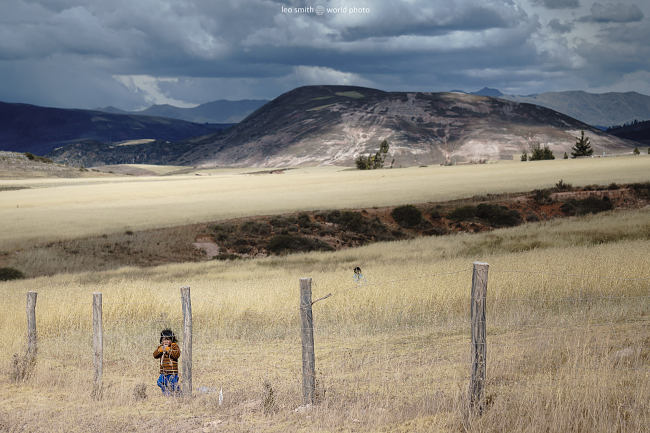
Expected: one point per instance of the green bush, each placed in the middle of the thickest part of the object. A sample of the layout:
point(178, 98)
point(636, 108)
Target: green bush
point(281, 244)
point(588, 205)
point(407, 216)
point(7, 274)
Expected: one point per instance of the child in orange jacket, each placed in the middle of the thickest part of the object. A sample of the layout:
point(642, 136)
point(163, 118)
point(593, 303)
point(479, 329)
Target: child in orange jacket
point(168, 352)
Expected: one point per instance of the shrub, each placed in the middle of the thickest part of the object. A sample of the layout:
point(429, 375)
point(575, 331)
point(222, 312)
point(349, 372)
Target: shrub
point(7, 274)
point(304, 221)
point(347, 220)
point(255, 228)
point(641, 189)
point(542, 196)
point(463, 213)
point(538, 153)
point(562, 186)
point(226, 256)
point(498, 216)
point(282, 244)
point(588, 205)
point(407, 216)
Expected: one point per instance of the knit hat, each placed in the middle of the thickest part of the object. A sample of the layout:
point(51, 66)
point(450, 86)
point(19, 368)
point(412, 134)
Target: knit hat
point(168, 333)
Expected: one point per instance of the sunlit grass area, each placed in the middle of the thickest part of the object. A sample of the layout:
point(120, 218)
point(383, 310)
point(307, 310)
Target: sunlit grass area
point(568, 309)
point(66, 208)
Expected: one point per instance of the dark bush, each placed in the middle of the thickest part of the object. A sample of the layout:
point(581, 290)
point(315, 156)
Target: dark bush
point(435, 214)
point(463, 213)
point(281, 222)
point(352, 221)
point(407, 216)
point(641, 189)
point(226, 256)
point(542, 196)
point(282, 244)
point(255, 228)
point(304, 221)
point(562, 186)
point(588, 205)
point(7, 274)
point(498, 216)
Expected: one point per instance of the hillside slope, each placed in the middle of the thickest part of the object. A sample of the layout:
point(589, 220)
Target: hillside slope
point(30, 128)
point(322, 125)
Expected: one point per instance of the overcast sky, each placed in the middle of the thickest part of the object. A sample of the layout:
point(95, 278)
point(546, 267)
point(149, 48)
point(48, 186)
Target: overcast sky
point(134, 53)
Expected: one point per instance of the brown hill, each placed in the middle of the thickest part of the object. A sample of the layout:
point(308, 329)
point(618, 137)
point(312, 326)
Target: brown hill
point(323, 125)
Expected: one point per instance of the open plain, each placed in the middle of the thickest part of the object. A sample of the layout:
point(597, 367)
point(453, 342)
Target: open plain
point(568, 309)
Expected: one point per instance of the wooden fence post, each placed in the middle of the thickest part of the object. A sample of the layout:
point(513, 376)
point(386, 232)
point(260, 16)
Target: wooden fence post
point(32, 346)
point(479, 346)
point(307, 338)
point(186, 354)
point(98, 344)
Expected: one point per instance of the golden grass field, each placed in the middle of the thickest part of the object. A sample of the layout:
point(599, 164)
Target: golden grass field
point(568, 316)
point(65, 208)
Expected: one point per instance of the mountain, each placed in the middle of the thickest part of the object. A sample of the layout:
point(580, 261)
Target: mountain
point(221, 111)
point(332, 125)
point(317, 125)
point(637, 131)
point(486, 91)
point(30, 128)
point(604, 109)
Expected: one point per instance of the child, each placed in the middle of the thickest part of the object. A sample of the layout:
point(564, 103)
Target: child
point(168, 352)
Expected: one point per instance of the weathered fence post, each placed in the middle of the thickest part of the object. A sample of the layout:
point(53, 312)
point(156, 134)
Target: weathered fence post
point(307, 338)
point(186, 353)
point(32, 346)
point(98, 344)
point(479, 347)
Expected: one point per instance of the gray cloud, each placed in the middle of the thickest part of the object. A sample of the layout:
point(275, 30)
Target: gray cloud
point(560, 27)
point(91, 53)
point(559, 4)
point(614, 13)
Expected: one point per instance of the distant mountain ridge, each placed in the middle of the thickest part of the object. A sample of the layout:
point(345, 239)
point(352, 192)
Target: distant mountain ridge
point(30, 128)
point(596, 109)
point(332, 125)
point(221, 111)
point(637, 131)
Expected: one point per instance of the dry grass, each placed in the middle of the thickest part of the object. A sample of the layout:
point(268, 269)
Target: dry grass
point(55, 209)
point(567, 330)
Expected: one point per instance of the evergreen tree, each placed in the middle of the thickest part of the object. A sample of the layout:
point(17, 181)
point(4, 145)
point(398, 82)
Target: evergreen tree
point(566, 156)
point(538, 153)
point(524, 156)
point(372, 162)
point(636, 151)
point(582, 146)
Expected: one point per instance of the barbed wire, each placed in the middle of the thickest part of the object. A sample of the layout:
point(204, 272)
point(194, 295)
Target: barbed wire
point(563, 275)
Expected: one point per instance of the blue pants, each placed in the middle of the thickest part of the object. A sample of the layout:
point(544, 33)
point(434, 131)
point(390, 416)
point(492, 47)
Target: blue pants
point(168, 383)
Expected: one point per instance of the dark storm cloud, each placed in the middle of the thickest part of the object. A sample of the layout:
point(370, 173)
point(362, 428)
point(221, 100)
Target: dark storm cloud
point(559, 4)
point(614, 13)
point(134, 53)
